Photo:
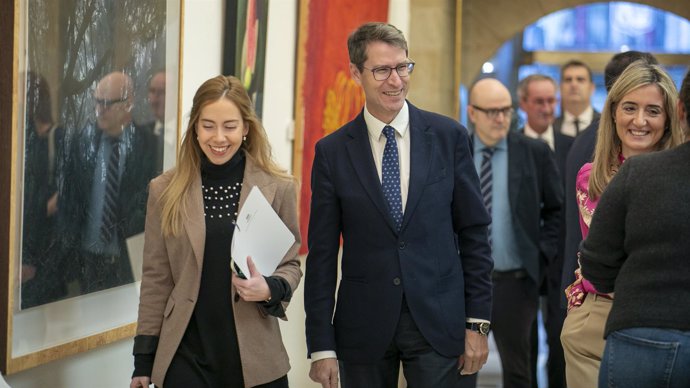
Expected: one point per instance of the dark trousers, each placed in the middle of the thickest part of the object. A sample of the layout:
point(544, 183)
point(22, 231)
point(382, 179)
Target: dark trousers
point(515, 304)
point(554, 315)
point(423, 367)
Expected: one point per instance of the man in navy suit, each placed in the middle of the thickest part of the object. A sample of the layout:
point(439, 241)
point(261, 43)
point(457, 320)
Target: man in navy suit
point(519, 174)
point(397, 184)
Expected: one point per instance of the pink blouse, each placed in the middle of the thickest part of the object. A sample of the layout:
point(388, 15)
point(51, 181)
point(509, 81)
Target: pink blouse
point(576, 292)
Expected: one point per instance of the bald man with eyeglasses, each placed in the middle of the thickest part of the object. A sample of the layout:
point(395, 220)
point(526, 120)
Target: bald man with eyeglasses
point(523, 193)
point(103, 188)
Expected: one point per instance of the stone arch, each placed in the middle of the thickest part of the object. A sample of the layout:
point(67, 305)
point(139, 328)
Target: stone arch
point(486, 25)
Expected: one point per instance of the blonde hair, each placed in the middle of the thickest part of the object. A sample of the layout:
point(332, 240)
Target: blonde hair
point(256, 147)
point(608, 146)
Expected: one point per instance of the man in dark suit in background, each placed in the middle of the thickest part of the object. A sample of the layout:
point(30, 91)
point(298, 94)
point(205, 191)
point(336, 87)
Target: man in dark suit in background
point(580, 153)
point(537, 94)
point(577, 88)
point(397, 184)
point(156, 128)
point(522, 189)
point(103, 188)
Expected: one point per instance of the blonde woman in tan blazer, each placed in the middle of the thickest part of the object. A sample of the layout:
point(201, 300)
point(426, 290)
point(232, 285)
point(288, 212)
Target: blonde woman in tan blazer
point(199, 324)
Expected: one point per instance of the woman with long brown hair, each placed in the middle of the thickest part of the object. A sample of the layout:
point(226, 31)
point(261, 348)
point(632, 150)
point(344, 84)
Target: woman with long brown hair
point(200, 325)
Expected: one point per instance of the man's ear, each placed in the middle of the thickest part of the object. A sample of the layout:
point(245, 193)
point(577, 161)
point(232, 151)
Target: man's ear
point(355, 74)
point(470, 113)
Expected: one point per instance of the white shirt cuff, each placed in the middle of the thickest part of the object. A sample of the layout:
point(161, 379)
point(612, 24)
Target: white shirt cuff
point(322, 355)
point(476, 320)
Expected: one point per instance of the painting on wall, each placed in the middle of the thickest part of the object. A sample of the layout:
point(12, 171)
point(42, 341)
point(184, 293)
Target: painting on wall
point(244, 47)
point(327, 96)
point(94, 113)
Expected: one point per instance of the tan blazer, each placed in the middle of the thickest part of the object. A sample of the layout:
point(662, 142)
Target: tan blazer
point(172, 273)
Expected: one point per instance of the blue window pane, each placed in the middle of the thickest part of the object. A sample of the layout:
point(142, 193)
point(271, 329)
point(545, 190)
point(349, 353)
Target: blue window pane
point(615, 26)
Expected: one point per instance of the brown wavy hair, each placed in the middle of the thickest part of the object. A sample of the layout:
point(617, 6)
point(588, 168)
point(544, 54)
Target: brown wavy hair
point(256, 147)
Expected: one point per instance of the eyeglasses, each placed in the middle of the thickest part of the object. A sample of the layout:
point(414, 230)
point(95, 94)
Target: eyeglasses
point(107, 103)
point(382, 73)
point(494, 112)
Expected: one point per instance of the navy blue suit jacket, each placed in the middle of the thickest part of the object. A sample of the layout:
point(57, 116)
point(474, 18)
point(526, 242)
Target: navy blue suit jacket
point(440, 260)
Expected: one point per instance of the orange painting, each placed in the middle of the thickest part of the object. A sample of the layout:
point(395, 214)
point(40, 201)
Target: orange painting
point(327, 97)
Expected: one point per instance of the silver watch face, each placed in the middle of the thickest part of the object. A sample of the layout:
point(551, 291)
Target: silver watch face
point(483, 328)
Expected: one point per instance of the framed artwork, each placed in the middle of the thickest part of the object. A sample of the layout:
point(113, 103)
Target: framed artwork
point(326, 95)
point(93, 117)
point(244, 47)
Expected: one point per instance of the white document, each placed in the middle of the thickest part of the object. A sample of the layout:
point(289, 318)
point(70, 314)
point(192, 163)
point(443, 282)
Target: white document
point(135, 249)
point(261, 234)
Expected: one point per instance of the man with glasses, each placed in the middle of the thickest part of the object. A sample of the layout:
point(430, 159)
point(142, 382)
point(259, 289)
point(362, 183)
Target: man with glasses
point(522, 191)
point(397, 185)
point(103, 188)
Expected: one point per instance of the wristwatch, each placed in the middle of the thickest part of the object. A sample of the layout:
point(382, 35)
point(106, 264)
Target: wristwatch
point(480, 327)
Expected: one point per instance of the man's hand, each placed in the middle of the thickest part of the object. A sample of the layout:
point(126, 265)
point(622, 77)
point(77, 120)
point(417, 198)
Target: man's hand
point(325, 372)
point(476, 353)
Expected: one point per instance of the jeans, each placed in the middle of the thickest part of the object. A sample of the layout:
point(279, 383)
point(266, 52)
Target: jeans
point(646, 357)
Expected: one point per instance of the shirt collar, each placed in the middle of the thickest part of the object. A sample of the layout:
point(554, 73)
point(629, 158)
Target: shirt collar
point(585, 116)
point(375, 126)
point(535, 135)
point(479, 146)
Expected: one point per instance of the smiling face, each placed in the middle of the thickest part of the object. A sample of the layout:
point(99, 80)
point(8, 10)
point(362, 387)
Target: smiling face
point(384, 98)
point(220, 130)
point(640, 120)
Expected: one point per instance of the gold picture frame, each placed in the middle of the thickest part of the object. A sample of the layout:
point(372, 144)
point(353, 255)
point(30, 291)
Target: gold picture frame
point(72, 47)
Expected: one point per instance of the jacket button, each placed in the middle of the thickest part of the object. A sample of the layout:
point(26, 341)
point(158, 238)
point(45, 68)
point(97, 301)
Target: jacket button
point(396, 281)
point(402, 245)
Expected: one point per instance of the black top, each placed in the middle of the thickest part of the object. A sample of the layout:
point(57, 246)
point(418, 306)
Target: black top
point(209, 350)
point(209, 346)
point(637, 244)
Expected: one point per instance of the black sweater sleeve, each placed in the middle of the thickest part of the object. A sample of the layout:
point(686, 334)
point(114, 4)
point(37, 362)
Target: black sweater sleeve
point(144, 353)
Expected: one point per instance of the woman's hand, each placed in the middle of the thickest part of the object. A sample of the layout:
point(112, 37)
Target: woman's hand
point(253, 289)
point(140, 382)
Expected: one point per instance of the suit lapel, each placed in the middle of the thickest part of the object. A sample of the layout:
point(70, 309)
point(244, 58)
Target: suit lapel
point(359, 150)
point(421, 150)
point(516, 160)
point(194, 223)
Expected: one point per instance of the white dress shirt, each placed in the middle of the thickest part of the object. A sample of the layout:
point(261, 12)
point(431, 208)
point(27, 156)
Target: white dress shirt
point(584, 119)
point(547, 136)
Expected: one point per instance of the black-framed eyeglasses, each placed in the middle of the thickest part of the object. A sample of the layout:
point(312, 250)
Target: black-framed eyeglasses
point(106, 102)
point(494, 112)
point(382, 73)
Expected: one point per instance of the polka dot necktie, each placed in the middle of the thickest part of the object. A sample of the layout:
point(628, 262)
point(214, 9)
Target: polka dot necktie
point(390, 180)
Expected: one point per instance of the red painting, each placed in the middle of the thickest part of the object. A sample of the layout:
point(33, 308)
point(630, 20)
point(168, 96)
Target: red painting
point(327, 97)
